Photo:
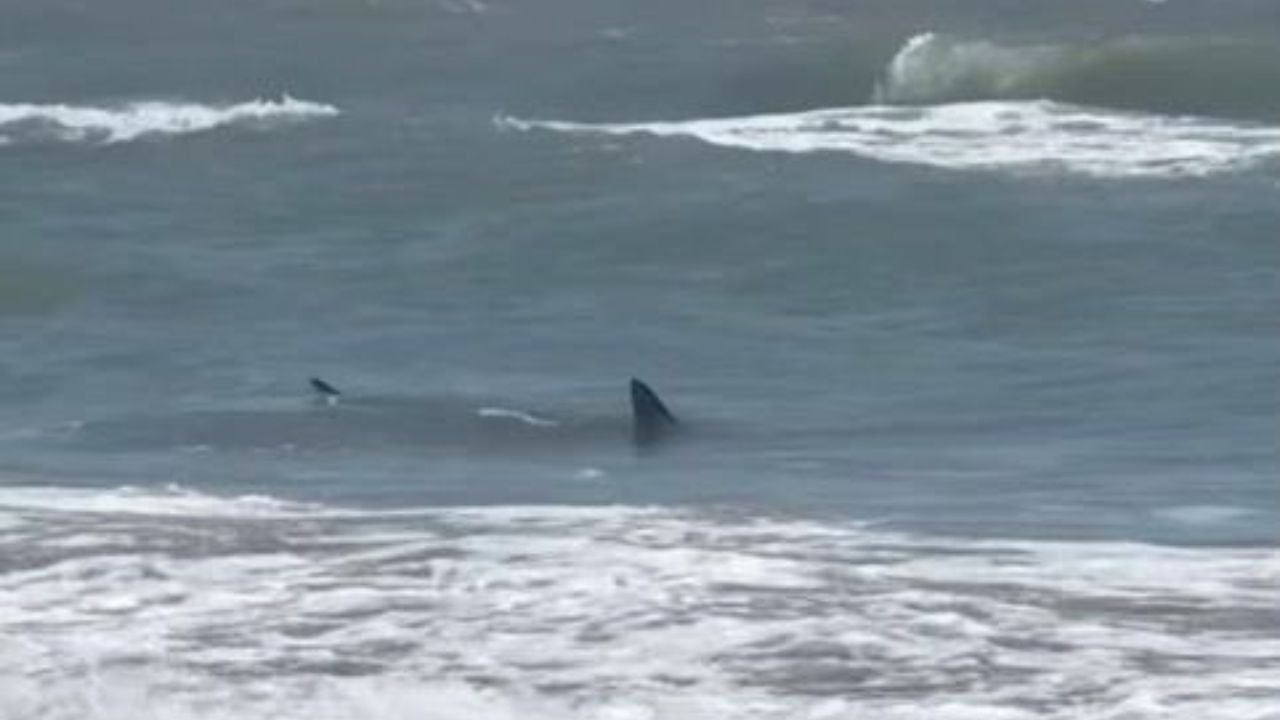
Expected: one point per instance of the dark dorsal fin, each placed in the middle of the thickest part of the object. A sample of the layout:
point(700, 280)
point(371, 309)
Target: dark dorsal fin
point(650, 417)
point(327, 391)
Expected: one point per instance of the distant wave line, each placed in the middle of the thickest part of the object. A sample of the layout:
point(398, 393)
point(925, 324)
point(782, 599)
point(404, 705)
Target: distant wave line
point(109, 124)
point(1037, 136)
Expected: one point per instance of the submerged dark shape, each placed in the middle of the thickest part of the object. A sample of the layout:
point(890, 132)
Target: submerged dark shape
point(443, 425)
point(651, 420)
point(326, 391)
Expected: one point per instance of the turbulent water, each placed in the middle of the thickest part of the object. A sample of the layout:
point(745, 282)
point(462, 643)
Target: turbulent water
point(966, 312)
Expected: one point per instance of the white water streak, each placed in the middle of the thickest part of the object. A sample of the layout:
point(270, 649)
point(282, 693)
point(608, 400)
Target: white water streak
point(131, 121)
point(1021, 136)
point(518, 415)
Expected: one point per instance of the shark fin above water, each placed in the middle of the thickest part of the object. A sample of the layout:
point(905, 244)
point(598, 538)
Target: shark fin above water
point(325, 391)
point(651, 419)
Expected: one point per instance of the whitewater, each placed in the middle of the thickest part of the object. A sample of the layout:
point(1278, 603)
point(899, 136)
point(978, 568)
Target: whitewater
point(1030, 137)
point(975, 105)
point(107, 124)
point(143, 603)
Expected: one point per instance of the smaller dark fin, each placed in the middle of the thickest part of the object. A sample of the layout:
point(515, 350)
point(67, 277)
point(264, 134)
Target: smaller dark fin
point(650, 418)
point(326, 391)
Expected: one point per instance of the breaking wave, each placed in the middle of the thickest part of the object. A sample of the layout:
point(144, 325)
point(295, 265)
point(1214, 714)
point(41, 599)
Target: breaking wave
point(1212, 76)
point(1029, 136)
point(1128, 107)
point(142, 603)
point(131, 121)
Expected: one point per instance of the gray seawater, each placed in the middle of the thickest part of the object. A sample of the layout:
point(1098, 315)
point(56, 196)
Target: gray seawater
point(968, 312)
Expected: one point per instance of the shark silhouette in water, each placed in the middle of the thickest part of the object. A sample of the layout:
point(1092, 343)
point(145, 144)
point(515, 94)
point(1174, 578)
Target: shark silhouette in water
point(650, 418)
point(340, 421)
point(651, 421)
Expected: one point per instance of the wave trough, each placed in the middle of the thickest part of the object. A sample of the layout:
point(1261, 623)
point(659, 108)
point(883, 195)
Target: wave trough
point(131, 121)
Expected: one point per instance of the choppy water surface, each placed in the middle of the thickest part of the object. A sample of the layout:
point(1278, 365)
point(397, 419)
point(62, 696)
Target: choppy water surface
point(967, 314)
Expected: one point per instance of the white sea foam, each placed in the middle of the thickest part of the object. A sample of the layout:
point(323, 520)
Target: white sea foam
point(1204, 514)
point(1023, 136)
point(174, 604)
point(131, 121)
point(518, 415)
point(173, 500)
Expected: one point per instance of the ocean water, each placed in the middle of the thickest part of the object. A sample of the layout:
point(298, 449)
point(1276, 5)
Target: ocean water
point(967, 312)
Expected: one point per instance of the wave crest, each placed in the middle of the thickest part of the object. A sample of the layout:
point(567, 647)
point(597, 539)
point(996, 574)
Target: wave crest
point(934, 68)
point(131, 121)
point(1208, 76)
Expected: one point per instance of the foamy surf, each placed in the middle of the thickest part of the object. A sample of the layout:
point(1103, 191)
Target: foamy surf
point(172, 500)
point(176, 604)
point(1021, 136)
point(132, 121)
